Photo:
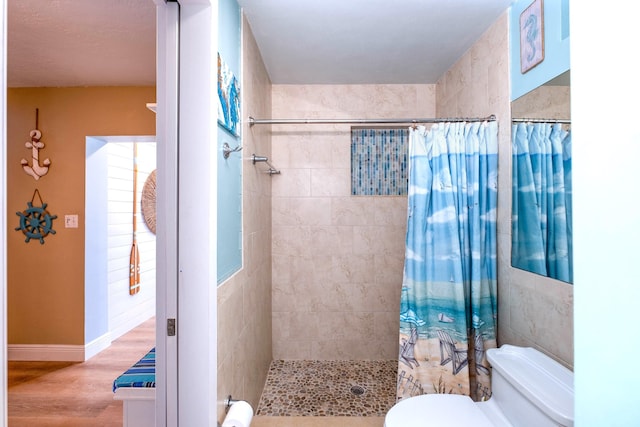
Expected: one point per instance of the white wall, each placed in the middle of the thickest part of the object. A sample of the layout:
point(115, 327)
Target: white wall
point(128, 311)
point(605, 90)
point(109, 309)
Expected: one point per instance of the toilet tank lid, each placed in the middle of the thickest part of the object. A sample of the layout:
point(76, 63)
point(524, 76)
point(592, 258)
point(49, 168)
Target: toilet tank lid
point(547, 383)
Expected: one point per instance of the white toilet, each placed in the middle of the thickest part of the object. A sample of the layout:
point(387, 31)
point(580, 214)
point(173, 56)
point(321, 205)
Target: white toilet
point(529, 389)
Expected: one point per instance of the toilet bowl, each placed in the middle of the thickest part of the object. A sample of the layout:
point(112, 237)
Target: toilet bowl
point(529, 389)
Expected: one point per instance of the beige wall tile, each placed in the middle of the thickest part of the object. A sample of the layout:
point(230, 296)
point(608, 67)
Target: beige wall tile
point(291, 240)
point(364, 238)
point(351, 211)
point(287, 349)
point(330, 182)
point(301, 211)
point(292, 183)
point(390, 210)
point(388, 268)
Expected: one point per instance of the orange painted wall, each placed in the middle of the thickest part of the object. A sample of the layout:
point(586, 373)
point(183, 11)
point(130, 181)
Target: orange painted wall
point(45, 295)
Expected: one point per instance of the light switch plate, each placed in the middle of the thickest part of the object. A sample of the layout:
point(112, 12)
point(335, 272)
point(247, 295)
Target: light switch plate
point(71, 221)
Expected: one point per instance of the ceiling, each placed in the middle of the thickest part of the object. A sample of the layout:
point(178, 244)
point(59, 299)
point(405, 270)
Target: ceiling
point(366, 41)
point(112, 42)
point(58, 43)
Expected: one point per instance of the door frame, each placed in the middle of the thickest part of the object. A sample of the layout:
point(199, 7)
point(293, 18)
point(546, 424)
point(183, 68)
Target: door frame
point(3, 209)
point(186, 371)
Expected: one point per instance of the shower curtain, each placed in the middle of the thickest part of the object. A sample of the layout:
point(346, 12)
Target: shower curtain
point(449, 298)
point(541, 204)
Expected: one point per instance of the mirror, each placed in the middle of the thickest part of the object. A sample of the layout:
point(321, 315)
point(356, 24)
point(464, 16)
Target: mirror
point(541, 214)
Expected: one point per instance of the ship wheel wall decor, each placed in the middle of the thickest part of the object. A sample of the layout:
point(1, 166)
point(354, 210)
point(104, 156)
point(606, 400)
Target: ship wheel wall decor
point(148, 201)
point(35, 221)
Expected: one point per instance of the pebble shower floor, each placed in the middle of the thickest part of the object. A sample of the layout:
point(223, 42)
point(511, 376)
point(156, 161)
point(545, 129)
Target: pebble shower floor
point(329, 388)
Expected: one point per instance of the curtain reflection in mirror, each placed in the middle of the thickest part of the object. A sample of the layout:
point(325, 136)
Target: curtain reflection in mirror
point(541, 210)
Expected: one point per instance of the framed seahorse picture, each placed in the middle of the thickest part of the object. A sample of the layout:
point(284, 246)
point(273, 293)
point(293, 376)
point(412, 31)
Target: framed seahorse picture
point(531, 36)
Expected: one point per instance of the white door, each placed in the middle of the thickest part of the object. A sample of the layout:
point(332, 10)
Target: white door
point(186, 213)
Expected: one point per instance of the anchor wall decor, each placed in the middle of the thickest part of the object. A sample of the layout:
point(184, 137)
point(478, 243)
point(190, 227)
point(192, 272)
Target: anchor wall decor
point(36, 170)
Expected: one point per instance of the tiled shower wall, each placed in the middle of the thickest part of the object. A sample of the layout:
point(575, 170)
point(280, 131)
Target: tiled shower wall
point(533, 310)
point(551, 102)
point(337, 258)
point(336, 265)
point(244, 309)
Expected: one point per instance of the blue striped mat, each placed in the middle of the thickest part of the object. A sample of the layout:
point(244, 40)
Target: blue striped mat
point(142, 374)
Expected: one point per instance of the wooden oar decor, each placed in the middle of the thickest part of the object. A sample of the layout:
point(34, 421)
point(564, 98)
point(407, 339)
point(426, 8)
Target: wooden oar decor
point(134, 256)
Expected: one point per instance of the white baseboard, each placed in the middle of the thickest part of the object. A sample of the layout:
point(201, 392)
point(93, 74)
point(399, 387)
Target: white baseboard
point(96, 346)
point(72, 353)
point(132, 321)
point(47, 353)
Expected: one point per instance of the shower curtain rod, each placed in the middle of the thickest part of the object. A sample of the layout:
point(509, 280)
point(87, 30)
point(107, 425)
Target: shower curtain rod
point(253, 121)
point(525, 120)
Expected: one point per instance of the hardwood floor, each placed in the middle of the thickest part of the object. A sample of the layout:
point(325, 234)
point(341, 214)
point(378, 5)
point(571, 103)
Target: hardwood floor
point(69, 394)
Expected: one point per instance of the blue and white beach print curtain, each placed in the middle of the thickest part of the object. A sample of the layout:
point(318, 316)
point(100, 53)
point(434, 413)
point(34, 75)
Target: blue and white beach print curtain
point(449, 297)
point(541, 205)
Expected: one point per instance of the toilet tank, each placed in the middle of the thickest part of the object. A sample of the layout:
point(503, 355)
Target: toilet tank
point(531, 389)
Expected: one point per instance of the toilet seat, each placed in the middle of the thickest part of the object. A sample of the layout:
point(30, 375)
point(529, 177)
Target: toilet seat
point(436, 410)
